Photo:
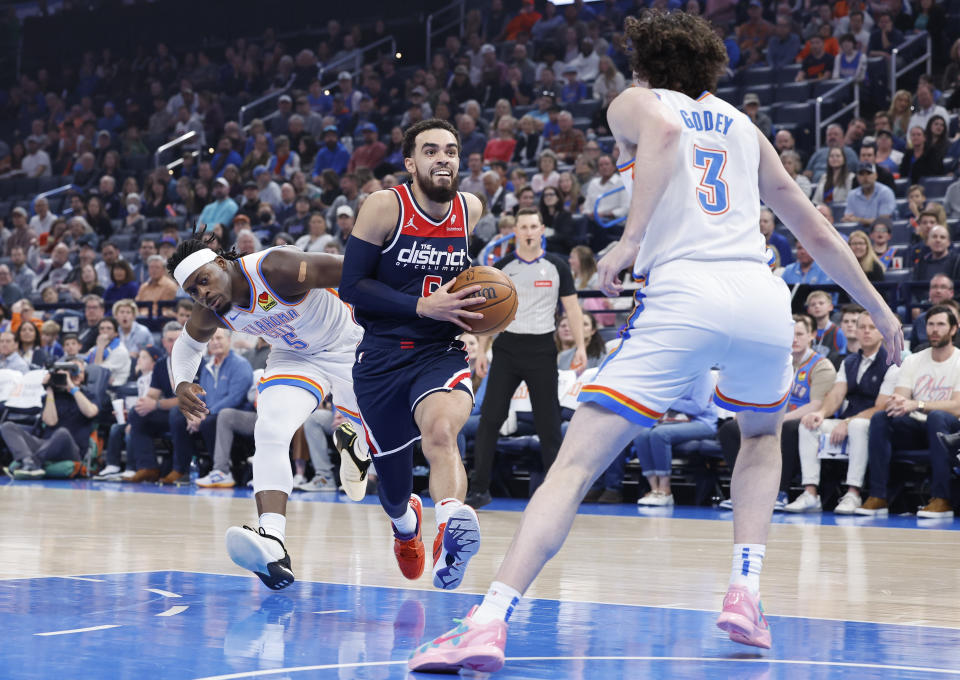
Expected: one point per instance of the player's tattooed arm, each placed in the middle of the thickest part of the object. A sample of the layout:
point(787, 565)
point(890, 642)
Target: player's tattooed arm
point(293, 273)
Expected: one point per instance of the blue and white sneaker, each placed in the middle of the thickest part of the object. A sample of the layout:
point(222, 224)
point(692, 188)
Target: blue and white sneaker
point(458, 539)
point(781, 502)
point(217, 480)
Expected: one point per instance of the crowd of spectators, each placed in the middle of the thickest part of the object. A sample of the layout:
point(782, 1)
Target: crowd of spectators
point(527, 86)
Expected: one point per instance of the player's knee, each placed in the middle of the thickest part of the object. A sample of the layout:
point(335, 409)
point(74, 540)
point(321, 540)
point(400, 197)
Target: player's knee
point(439, 437)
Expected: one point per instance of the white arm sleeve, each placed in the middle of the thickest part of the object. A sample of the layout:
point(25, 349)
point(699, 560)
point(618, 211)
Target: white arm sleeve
point(185, 358)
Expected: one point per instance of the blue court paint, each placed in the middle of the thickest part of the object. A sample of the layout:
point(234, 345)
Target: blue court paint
point(234, 627)
point(518, 504)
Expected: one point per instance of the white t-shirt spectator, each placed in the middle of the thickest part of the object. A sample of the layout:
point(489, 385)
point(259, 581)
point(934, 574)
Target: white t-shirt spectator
point(42, 226)
point(930, 380)
point(33, 162)
point(615, 203)
point(309, 244)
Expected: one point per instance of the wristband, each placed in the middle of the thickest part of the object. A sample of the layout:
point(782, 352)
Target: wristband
point(74, 390)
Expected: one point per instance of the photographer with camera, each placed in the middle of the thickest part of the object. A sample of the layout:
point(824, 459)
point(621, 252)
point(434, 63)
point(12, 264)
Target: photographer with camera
point(68, 416)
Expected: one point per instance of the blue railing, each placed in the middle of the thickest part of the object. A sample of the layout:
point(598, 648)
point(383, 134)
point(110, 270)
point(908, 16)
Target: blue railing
point(596, 215)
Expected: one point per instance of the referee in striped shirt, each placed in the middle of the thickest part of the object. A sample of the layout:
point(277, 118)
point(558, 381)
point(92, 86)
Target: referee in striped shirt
point(526, 350)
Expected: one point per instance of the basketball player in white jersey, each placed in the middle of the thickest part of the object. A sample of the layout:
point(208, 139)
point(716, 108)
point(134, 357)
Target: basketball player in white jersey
point(699, 171)
point(284, 296)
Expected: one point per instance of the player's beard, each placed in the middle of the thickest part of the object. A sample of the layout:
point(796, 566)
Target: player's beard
point(435, 192)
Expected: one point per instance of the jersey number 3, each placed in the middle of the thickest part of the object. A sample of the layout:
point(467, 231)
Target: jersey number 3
point(712, 193)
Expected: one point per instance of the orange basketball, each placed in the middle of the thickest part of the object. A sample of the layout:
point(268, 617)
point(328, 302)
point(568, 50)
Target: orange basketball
point(500, 306)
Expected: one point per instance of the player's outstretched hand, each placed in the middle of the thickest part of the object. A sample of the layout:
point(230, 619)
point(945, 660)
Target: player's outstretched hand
point(892, 331)
point(443, 305)
point(189, 401)
point(620, 257)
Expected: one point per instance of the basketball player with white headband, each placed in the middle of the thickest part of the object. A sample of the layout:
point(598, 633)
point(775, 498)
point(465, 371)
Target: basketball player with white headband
point(285, 296)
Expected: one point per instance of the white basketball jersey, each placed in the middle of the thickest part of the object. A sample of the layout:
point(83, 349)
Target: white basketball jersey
point(710, 210)
point(318, 322)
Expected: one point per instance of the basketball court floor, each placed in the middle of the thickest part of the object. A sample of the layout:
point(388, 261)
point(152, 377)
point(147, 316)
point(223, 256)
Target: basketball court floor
point(102, 581)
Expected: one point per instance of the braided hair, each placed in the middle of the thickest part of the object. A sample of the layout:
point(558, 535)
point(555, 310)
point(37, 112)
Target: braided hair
point(197, 242)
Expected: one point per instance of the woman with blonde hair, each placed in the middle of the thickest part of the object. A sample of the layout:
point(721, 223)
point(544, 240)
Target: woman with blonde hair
point(570, 190)
point(900, 111)
point(583, 266)
point(862, 249)
point(609, 79)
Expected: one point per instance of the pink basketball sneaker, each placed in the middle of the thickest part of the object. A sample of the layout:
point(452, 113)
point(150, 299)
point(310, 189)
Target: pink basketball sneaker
point(743, 618)
point(474, 646)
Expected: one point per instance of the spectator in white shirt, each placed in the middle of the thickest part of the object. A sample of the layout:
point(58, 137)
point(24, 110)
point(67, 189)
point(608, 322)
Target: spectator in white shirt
point(925, 110)
point(587, 62)
point(612, 206)
point(44, 219)
point(37, 161)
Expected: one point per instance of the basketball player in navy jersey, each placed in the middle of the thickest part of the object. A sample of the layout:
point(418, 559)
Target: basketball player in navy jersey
point(411, 375)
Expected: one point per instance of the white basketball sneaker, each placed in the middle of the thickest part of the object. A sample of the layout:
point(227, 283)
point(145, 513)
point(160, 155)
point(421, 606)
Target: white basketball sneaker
point(261, 553)
point(353, 467)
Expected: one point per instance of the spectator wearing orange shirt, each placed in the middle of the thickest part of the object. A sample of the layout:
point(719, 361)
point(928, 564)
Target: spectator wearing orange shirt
point(523, 22)
point(830, 44)
point(754, 34)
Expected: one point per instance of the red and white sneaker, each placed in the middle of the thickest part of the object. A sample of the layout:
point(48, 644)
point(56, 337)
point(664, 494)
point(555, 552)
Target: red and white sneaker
point(409, 550)
point(743, 618)
point(458, 539)
point(474, 646)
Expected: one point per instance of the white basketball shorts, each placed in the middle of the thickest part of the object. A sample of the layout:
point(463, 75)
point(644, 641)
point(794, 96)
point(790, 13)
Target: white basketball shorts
point(691, 317)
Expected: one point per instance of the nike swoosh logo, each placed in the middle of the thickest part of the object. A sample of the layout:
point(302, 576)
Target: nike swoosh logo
point(235, 316)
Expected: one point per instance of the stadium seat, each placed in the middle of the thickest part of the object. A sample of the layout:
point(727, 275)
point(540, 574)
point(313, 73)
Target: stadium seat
point(730, 94)
point(793, 92)
point(839, 210)
point(757, 75)
point(822, 86)
point(48, 183)
point(585, 108)
point(26, 186)
point(795, 114)
point(787, 74)
point(936, 187)
point(764, 92)
point(137, 164)
point(901, 232)
point(902, 183)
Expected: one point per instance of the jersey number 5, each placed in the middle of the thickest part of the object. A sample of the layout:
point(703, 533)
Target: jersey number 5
point(712, 193)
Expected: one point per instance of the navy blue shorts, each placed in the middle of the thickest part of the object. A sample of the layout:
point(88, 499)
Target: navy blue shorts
point(389, 383)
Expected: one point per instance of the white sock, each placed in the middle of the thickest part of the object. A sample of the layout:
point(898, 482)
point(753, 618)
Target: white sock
point(498, 604)
point(747, 563)
point(445, 508)
point(407, 524)
point(275, 524)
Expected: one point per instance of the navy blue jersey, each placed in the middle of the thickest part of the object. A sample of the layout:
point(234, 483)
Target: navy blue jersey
point(422, 255)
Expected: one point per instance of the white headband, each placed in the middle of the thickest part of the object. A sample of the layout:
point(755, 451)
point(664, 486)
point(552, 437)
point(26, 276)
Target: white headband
point(192, 263)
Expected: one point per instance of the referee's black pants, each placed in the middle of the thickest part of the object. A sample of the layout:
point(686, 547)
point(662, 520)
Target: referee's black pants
point(516, 358)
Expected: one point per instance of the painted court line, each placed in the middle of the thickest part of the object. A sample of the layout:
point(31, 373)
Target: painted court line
point(81, 578)
point(78, 630)
point(333, 611)
point(580, 601)
point(173, 611)
point(691, 659)
point(164, 593)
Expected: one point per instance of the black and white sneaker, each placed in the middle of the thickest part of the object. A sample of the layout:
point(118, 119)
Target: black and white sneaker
point(261, 553)
point(353, 468)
